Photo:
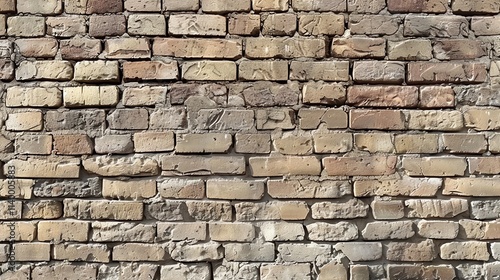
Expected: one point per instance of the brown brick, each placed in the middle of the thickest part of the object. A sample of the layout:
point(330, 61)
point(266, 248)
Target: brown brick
point(109, 25)
point(437, 97)
point(251, 70)
point(468, 7)
point(79, 48)
point(378, 96)
point(376, 119)
point(463, 143)
point(209, 70)
point(39, 48)
point(197, 48)
point(435, 26)
point(434, 166)
point(457, 49)
point(150, 70)
point(417, 6)
point(99, 7)
point(279, 24)
point(320, 5)
point(485, 26)
point(128, 119)
point(320, 24)
point(147, 25)
point(243, 24)
point(284, 48)
point(313, 118)
point(72, 144)
point(358, 47)
point(413, 49)
point(373, 24)
point(365, 6)
point(207, 25)
point(284, 165)
point(360, 166)
point(336, 71)
point(417, 143)
point(441, 72)
point(66, 27)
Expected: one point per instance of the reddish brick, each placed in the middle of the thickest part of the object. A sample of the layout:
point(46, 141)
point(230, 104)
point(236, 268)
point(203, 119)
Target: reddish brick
point(377, 119)
point(73, 144)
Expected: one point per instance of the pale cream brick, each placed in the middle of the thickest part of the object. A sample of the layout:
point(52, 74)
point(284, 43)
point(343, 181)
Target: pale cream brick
point(203, 143)
point(57, 231)
point(3, 24)
point(144, 96)
point(197, 25)
point(176, 5)
point(184, 252)
point(296, 252)
point(468, 250)
point(374, 142)
point(353, 208)
point(153, 141)
point(482, 118)
point(225, 6)
point(341, 231)
point(209, 70)
point(127, 48)
point(26, 26)
point(31, 121)
point(198, 48)
point(34, 144)
point(90, 96)
point(320, 5)
point(250, 252)
point(376, 165)
point(33, 97)
point(435, 208)
point(284, 165)
point(147, 24)
point(202, 165)
point(235, 189)
point(82, 252)
point(43, 168)
point(130, 189)
point(282, 231)
point(136, 165)
point(241, 232)
point(307, 188)
point(436, 120)
point(434, 166)
point(270, 5)
point(51, 70)
point(360, 251)
point(96, 71)
point(34, 251)
point(263, 47)
point(438, 229)
point(405, 186)
point(275, 271)
point(387, 210)
point(181, 231)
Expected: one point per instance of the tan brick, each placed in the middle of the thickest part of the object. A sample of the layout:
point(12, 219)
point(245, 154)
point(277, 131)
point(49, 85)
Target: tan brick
point(182, 231)
point(26, 26)
point(181, 188)
point(388, 230)
point(376, 72)
point(274, 271)
point(472, 229)
point(82, 252)
point(193, 253)
point(435, 26)
point(66, 27)
point(471, 186)
point(437, 97)
point(469, 7)
point(417, 143)
point(358, 47)
point(58, 231)
point(40, 48)
point(252, 143)
point(143, 5)
point(150, 70)
point(97, 71)
point(244, 24)
point(175, 5)
point(90, 96)
point(321, 24)
point(127, 48)
point(293, 145)
point(353, 208)
point(376, 119)
point(209, 71)
point(198, 48)
point(482, 118)
point(406, 186)
point(284, 48)
point(326, 143)
point(387, 210)
point(462, 143)
point(22, 231)
point(438, 229)
point(360, 166)
point(456, 49)
point(144, 96)
point(16, 188)
point(130, 189)
point(373, 24)
point(68, 270)
point(128, 119)
point(205, 25)
point(114, 144)
point(171, 118)
point(235, 189)
point(153, 141)
point(282, 231)
point(103, 210)
point(107, 25)
point(136, 165)
point(435, 120)
point(139, 252)
point(320, 5)
point(34, 144)
point(29, 121)
point(365, 6)
point(446, 72)
point(56, 70)
point(279, 24)
point(307, 189)
point(263, 70)
point(341, 231)
point(73, 144)
point(469, 250)
point(3, 24)
point(226, 6)
point(42, 209)
point(7, 6)
point(33, 251)
point(412, 252)
point(360, 251)
point(270, 5)
point(484, 165)
point(494, 143)
point(200, 165)
point(275, 118)
point(179, 271)
point(381, 96)
point(33, 97)
point(147, 25)
point(10, 211)
point(413, 49)
point(293, 252)
point(203, 143)
point(434, 166)
point(374, 142)
point(323, 93)
point(6, 70)
point(326, 71)
point(284, 165)
point(122, 232)
point(485, 25)
point(240, 232)
point(435, 208)
point(427, 6)
point(210, 210)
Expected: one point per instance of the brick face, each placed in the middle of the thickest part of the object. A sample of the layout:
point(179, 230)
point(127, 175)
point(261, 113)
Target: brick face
point(250, 139)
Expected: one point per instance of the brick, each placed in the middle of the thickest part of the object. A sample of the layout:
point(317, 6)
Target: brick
point(320, 5)
point(341, 231)
point(3, 24)
point(70, 271)
point(406, 186)
point(128, 189)
point(438, 229)
point(197, 25)
point(481, 118)
point(275, 118)
point(437, 97)
point(235, 189)
point(333, 268)
point(240, 232)
point(485, 26)
point(66, 27)
point(103, 210)
point(279, 24)
point(446, 72)
point(90, 187)
point(276, 210)
point(359, 166)
point(307, 189)
point(33, 97)
point(150, 70)
point(353, 208)
point(414, 252)
point(42, 209)
point(114, 144)
point(144, 96)
point(468, 7)
point(428, 6)
point(326, 143)
point(139, 252)
point(136, 165)
point(17, 188)
point(252, 143)
point(378, 96)
point(262, 93)
point(376, 119)
point(284, 165)
point(6, 70)
point(456, 49)
point(40, 48)
point(93, 6)
point(209, 71)
point(80, 252)
point(128, 119)
point(200, 165)
point(244, 24)
point(6, 49)
point(435, 166)
point(73, 144)
point(323, 93)
point(23, 231)
point(90, 96)
point(208, 6)
point(374, 142)
point(128, 271)
point(470, 186)
point(360, 251)
point(203, 143)
point(58, 231)
point(435, 120)
point(267, 6)
point(7, 6)
point(181, 188)
point(435, 26)
point(374, 72)
point(153, 141)
point(107, 25)
point(143, 5)
point(294, 145)
point(56, 70)
point(254, 252)
point(175, 5)
point(172, 118)
point(26, 26)
point(193, 253)
point(33, 251)
point(218, 119)
point(182, 231)
point(321, 24)
point(98, 71)
point(282, 231)
point(413, 49)
point(263, 70)
point(210, 210)
point(324, 70)
point(34, 144)
point(284, 48)
point(11, 211)
point(358, 47)
point(91, 122)
point(122, 232)
point(146, 24)
point(388, 230)
point(462, 143)
point(127, 48)
point(494, 143)
point(365, 6)
point(472, 229)
point(80, 48)
point(274, 271)
point(230, 270)
point(469, 250)
point(180, 271)
point(291, 252)
point(373, 24)
point(198, 48)
point(484, 165)
point(25, 121)
point(387, 210)
point(435, 208)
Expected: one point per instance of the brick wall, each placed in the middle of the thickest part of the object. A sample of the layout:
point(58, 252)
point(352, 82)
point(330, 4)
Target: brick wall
point(250, 139)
